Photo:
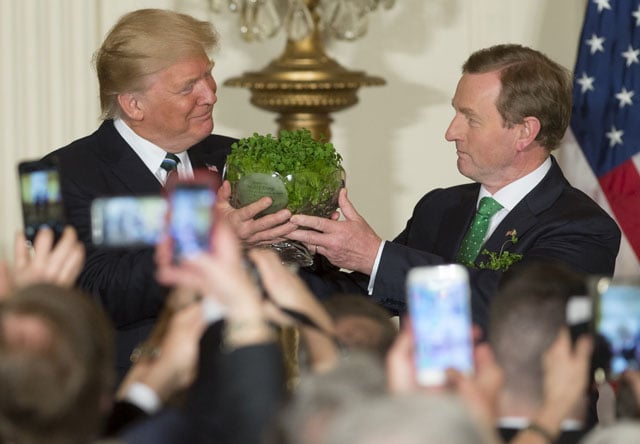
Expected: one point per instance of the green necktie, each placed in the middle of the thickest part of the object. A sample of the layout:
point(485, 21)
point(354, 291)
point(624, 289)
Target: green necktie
point(474, 238)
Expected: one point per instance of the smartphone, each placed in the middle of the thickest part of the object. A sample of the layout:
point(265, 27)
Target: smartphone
point(579, 316)
point(41, 198)
point(440, 311)
point(617, 321)
point(191, 216)
point(128, 221)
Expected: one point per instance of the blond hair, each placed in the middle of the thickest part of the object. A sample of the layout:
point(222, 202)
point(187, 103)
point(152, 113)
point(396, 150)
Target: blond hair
point(142, 43)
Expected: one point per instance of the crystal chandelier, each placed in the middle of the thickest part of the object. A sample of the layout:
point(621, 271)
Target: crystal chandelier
point(262, 19)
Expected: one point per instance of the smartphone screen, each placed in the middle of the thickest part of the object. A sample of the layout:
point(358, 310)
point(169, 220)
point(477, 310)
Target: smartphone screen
point(41, 198)
point(191, 218)
point(579, 316)
point(439, 307)
point(128, 221)
point(617, 321)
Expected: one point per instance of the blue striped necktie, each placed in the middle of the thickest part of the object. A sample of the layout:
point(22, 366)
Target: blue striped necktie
point(170, 165)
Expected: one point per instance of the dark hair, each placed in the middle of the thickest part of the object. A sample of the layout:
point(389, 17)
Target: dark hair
point(340, 306)
point(53, 388)
point(532, 85)
point(526, 316)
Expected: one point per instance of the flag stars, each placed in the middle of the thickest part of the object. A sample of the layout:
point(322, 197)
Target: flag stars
point(636, 14)
point(595, 44)
point(614, 136)
point(585, 82)
point(602, 4)
point(631, 55)
point(624, 97)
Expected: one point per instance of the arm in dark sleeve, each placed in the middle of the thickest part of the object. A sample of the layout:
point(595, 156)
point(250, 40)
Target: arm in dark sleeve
point(123, 281)
point(236, 393)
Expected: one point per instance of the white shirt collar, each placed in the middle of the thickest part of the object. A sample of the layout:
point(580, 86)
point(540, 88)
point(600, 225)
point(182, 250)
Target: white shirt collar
point(510, 195)
point(151, 154)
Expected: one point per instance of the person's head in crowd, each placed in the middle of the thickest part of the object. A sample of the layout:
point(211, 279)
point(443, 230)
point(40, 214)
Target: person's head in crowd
point(409, 419)
point(155, 73)
point(361, 323)
point(56, 366)
point(526, 316)
point(320, 397)
point(513, 106)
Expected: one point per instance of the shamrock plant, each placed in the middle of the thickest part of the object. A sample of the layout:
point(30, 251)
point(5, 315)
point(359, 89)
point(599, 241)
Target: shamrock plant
point(503, 259)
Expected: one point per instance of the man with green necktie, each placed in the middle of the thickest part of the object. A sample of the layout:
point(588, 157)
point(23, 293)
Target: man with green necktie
point(512, 106)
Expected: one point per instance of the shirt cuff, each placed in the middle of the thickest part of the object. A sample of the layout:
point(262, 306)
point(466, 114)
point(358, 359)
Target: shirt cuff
point(374, 270)
point(143, 397)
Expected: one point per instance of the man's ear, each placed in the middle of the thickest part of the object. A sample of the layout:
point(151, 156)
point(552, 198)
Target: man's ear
point(130, 105)
point(529, 129)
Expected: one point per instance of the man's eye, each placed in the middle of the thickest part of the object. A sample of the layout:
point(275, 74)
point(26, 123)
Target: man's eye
point(187, 89)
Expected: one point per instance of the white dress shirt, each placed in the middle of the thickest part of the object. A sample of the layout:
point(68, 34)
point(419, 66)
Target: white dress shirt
point(152, 155)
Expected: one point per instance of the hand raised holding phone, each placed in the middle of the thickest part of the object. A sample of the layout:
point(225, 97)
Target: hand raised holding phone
point(439, 308)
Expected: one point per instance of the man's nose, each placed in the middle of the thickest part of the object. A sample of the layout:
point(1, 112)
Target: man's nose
point(208, 90)
point(452, 132)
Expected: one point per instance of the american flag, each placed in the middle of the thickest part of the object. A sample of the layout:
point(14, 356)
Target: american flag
point(606, 111)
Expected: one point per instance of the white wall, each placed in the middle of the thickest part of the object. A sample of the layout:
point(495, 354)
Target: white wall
point(392, 141)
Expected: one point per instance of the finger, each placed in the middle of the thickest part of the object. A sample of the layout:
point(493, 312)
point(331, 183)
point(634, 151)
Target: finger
point(164, 252)
point(271, 220)
point(313, 222)
point(21, 255)
point(187, 274)
point(477, 334)
point(483, 356)
point(404, 343)
point(224, 240)
point(65, 246)
point(271, 235)
point(311, 239)
point(71, 266)
point(6, 283)
point(454, 378)
point(274, 314)
point(269, 267)
point(42, 245)
point(224, 192)
point(584, 347)
point(253, 209)
point(346, 207)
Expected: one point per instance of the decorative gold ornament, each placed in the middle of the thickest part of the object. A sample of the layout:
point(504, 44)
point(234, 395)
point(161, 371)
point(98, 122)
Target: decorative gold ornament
point(304, 85)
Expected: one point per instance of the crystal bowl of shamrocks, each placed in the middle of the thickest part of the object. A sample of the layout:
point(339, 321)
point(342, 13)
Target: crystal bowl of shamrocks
point(297, 171)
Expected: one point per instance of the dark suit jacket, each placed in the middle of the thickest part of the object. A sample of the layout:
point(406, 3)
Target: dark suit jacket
point(233, 400)
point(103, 164)
point(554, 222)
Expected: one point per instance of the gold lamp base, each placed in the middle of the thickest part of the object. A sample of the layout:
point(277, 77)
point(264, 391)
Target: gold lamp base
point(304, 85)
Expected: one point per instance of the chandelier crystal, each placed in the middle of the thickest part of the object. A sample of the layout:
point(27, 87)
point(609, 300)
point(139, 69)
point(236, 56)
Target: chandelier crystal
point(262, 19)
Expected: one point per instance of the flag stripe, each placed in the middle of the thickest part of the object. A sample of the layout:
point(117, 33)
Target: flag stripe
point(622, 188)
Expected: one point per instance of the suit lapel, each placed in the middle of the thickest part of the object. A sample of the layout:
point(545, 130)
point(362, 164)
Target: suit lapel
point(525, 215)
point(456, 222)
point(124, 163)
